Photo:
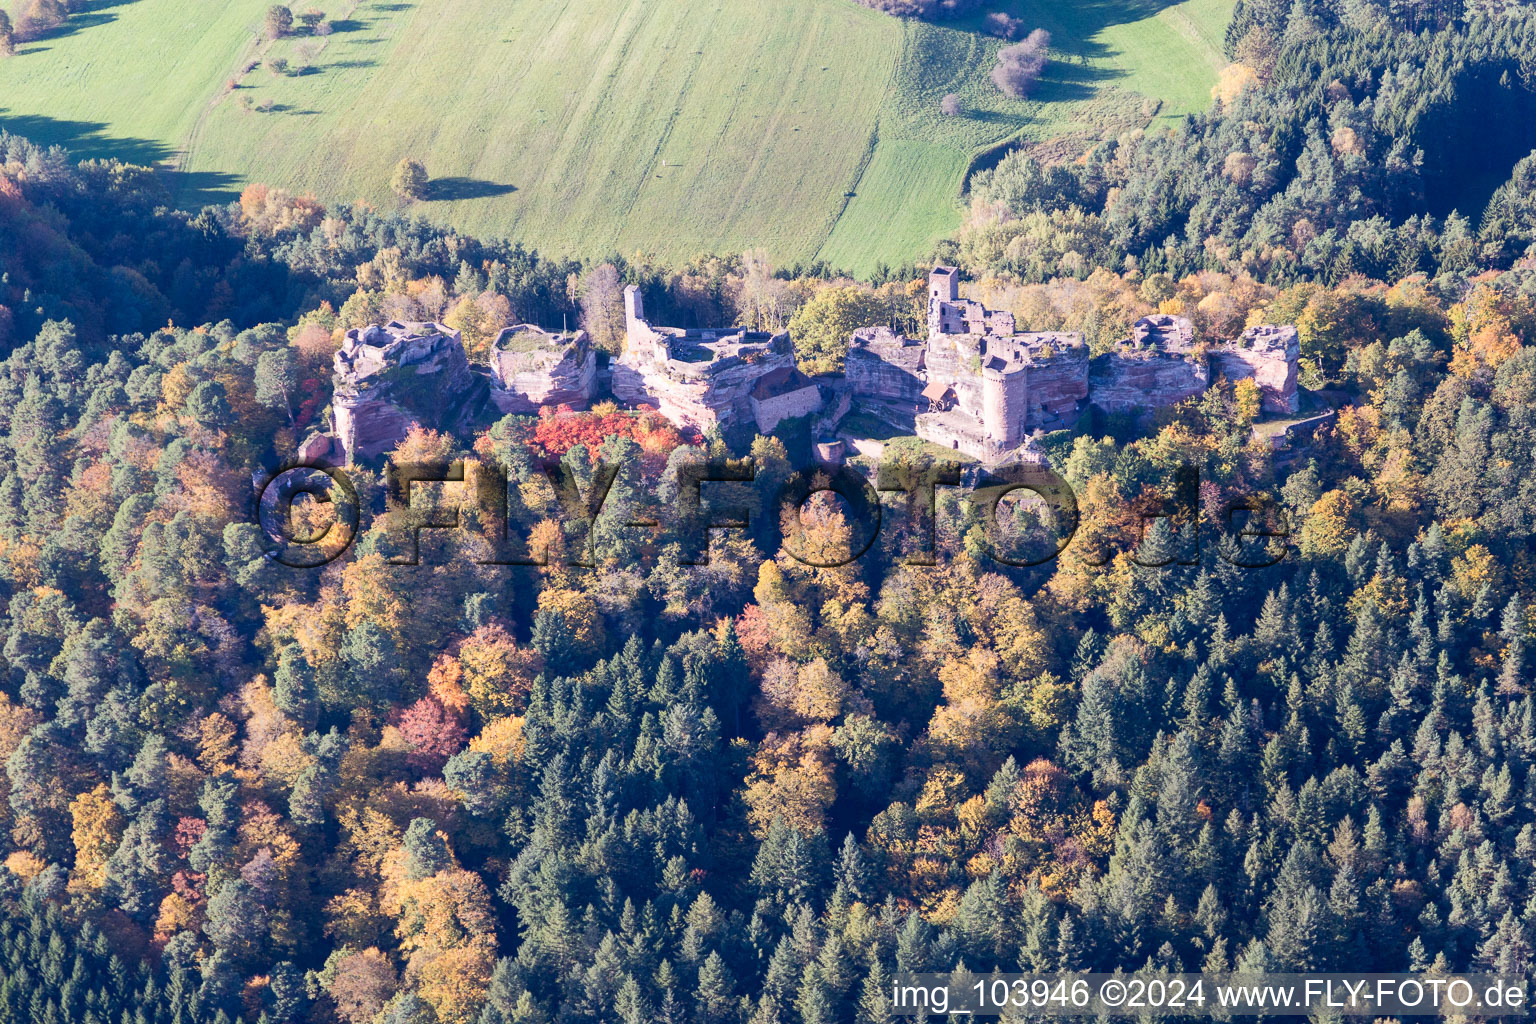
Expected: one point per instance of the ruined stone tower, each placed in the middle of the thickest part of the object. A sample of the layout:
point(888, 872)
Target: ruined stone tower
point(989, 386)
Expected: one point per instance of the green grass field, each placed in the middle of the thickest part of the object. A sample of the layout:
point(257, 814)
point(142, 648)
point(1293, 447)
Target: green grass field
point(809, 128)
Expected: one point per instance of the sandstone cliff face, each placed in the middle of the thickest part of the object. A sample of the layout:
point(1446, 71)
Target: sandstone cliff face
point(531, 367)
point(387, 379)
point(885, 365)
point(1268, 355)
point(1058, 387)
point(1128, 380)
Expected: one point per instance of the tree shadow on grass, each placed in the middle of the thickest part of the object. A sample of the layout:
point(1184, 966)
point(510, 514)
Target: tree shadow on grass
point(1074, 34)
point(88, 140)
point(85, 140)
point(465, 188)
point(77, 23)
point(997, 117)
point(1067, 80)
point(194, 190)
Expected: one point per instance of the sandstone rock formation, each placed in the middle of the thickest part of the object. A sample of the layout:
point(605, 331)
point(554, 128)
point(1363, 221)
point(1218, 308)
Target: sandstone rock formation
point(1268, 355)
point(387, 379)
point(1156, 366)
point(885, 371)
point(531, 367)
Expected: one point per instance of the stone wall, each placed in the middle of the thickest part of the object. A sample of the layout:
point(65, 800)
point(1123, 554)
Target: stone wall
point(959, 432)
point(768, 412)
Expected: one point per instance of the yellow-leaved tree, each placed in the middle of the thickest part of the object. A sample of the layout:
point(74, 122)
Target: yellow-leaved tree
point(444, 923)
point(792, 779)
point(98, 827)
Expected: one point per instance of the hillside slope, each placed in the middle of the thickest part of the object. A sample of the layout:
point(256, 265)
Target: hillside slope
point(809, 128)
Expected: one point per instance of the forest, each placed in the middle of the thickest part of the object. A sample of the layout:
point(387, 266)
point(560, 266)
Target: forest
point(750, 791)
point(1339, 145)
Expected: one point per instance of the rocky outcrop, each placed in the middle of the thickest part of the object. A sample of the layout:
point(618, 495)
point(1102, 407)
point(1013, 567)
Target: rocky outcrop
point(1269, 356)
point(390, 378)
point(1156, 366)
point(1126, 382)
point(1160, 365)
point(885, 365)
point(1058, 385)
point(531, 367)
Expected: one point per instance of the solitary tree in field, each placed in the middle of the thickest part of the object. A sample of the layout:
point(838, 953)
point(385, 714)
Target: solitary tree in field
point(39, 17)
point(950, 105)
point(279, 21)
point(311, 18)
point(410, 179)
point(1019, 65)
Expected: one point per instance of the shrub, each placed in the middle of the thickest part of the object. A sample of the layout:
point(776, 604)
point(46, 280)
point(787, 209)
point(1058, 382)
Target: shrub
point(1019, 65)
point(950, 105)
point(1004, 26)
point(39, 18)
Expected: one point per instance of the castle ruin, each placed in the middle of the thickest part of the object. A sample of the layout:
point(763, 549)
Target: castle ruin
point(710, 378)
point(990, 386)
point(980, 386)
point(976, 385)
point(390, 378)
